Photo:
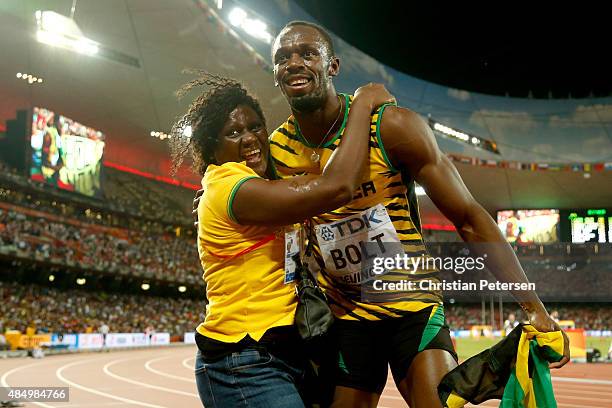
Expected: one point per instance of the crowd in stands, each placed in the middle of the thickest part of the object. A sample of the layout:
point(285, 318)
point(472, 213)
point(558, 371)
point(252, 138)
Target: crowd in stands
point(128, 200)
point(133, 231)
point(439, 236)
point(64, 240)
point(49, 310)
point(461, 316)
point(87, 246)
point(79, 311)
point(589, 317)
point(148, 198)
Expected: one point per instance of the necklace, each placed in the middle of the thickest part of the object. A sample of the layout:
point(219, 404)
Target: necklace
point(315, 157)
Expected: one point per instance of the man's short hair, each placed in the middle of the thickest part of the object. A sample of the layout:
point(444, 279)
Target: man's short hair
point(326, 37)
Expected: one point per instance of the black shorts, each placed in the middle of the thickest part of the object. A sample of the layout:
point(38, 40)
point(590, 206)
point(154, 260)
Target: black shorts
point(366, 349)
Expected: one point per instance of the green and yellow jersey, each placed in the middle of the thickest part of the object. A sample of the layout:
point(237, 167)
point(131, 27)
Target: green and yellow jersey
point(346, 235)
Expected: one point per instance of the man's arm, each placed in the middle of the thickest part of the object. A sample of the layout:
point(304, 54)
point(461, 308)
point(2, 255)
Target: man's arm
point(412, 146)
point(283, 202)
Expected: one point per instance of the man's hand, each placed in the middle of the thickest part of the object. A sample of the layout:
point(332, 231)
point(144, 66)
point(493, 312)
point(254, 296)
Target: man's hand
point(196, 203)
point(541, 320)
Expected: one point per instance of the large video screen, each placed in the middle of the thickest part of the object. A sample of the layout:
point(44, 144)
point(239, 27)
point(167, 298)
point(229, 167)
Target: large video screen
point(529, 226)
point(65, 153)
point(584, 225)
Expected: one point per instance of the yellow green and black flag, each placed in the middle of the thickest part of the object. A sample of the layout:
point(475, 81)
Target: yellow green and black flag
point(515, 371)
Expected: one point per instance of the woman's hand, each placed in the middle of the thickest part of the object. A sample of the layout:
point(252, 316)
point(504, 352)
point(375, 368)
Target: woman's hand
point(373, 95)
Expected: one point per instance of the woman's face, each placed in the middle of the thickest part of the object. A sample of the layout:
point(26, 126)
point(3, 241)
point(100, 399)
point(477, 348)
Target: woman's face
point(244, 138)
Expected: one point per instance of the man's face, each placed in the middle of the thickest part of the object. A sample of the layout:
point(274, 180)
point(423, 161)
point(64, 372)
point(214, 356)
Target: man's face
point(302, 67)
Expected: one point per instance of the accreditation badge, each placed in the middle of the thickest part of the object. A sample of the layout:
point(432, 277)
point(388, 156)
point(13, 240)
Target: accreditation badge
point(348, 246)
point(293, 245)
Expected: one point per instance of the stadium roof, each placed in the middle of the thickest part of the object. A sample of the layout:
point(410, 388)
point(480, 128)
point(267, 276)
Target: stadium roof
point(127, 102)
point(513, 51)
point(124, 101)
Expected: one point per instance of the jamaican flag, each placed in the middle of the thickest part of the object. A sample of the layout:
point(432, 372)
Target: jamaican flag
point(515, 370)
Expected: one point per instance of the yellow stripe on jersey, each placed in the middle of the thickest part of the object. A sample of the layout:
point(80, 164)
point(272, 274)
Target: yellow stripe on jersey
point(381, 183)
point(246, 294)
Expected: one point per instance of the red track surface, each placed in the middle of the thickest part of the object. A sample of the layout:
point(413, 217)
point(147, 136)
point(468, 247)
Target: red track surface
point(163, 377)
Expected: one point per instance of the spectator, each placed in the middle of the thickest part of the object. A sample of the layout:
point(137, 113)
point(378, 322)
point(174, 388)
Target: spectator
point(510, 323)
point(71, 311)
point(555, 316)
point(104, 329)
point(3, 343)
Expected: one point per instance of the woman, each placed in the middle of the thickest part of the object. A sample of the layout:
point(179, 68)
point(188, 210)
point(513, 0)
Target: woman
point(248, 349)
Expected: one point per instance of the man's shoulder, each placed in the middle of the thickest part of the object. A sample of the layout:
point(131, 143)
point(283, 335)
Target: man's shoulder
point(403, 123)
point(284, 130)
point(404, 132)
point(397, 118)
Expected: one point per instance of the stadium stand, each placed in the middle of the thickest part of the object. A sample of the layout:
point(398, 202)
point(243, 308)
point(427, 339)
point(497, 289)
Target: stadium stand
point(50, 310)
point(587, 316)
point(63, 241)
point(129, 200)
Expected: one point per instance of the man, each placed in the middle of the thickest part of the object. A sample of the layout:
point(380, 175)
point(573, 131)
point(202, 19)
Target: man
point(510, 323)
point(409, 333)
point(104, 330)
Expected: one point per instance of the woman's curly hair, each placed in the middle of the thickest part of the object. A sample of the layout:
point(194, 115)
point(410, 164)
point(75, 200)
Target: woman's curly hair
point(207, 115)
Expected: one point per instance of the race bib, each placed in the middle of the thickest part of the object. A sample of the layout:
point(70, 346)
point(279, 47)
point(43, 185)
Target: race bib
point(348, 246)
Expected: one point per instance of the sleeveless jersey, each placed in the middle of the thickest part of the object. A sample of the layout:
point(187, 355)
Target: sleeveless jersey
point(381, 184)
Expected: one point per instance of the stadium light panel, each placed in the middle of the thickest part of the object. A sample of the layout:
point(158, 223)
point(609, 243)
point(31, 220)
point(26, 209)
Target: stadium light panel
point(472, 140)
point(182, 289)
point(145, 286)
point(60, 31)
point(451, 132)
point(252, 26)
point(31, 79)
point(160, 135)
point(237, 16)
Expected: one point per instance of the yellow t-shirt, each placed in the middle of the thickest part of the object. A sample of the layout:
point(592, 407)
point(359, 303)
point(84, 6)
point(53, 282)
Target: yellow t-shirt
point(246, 294)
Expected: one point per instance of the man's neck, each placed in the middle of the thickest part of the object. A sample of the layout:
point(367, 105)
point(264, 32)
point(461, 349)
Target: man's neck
point(316, 125)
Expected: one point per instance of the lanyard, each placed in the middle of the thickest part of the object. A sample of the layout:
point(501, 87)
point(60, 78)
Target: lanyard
point(245, 251)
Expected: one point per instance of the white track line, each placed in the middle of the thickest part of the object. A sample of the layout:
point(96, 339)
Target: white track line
point(581, 380)
point(95, 404)
point(14, 370)
point(59, 375)
point(577, 406)
point(496, 402)
point(393, 397)
point(154, 387)
point(154, 371)
point(561, 390)
point(184, 363)
point(563, 396)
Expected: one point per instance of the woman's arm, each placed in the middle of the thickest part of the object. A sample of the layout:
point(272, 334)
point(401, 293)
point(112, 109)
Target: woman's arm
point(282, 202)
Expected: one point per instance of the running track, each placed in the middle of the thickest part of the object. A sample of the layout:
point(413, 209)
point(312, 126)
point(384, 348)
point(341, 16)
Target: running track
point(163, 378)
